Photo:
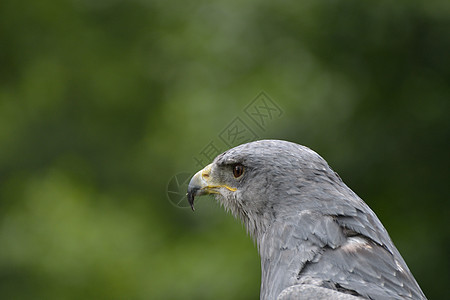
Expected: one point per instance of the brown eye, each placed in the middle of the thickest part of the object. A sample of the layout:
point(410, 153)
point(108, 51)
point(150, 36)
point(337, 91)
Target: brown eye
point(238, 170)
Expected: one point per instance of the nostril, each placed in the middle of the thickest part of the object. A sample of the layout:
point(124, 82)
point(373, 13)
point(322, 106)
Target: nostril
point(206, 175)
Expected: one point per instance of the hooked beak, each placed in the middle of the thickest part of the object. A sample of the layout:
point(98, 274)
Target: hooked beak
point(198, 184)
point(201, 184)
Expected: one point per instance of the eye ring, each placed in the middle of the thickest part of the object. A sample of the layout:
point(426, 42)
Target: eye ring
point(238, 170)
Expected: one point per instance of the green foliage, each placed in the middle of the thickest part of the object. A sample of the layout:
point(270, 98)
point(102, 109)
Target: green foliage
point(103, 102)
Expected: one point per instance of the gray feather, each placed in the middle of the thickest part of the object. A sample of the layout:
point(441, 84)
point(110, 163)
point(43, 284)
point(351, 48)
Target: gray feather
point(312, 292)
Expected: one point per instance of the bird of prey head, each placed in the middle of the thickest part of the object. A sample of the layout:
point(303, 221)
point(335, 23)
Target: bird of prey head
point(317, 239)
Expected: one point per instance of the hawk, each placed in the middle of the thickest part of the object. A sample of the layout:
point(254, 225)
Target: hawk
point(316, 238)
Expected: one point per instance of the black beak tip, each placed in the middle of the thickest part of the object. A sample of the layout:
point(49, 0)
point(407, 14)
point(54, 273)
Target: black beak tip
point(191, 196)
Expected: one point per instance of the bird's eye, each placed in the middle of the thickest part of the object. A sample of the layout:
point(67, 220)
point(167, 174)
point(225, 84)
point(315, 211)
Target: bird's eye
point(238, 170)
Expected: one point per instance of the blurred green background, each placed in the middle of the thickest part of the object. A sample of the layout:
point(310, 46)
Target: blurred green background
point(103, 102)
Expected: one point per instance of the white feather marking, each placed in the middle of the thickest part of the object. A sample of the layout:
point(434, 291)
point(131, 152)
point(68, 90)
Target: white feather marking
point(399, 267)
point(354, 242)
